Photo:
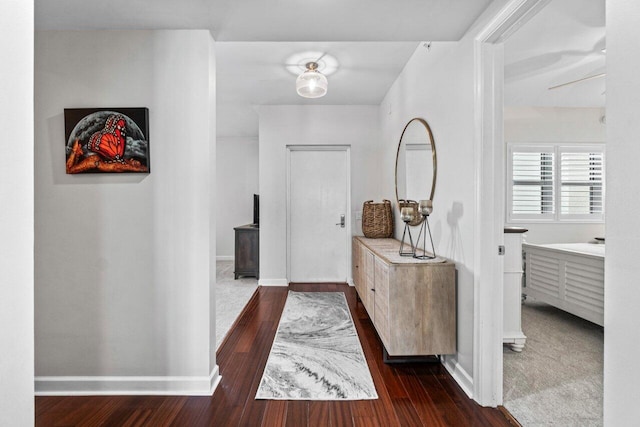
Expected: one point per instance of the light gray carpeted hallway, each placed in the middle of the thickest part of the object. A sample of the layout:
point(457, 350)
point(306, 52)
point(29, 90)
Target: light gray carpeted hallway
point(557, 379)
point(231, 297)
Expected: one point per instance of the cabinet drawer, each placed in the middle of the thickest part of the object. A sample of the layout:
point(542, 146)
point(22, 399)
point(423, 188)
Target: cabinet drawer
point(381, 322)
point(381, 279)
point(369, 283)
point(382, 305)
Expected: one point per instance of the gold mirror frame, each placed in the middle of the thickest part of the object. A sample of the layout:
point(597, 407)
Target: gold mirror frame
point(414, 203)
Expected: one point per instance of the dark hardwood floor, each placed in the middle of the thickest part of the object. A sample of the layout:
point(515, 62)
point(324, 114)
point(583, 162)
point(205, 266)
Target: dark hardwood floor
point(417, 394)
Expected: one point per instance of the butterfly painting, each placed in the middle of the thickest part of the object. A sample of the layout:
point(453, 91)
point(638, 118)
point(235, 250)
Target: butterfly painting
point(108, 140)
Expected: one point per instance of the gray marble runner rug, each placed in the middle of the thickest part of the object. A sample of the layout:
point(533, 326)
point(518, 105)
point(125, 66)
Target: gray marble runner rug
point(316, 354)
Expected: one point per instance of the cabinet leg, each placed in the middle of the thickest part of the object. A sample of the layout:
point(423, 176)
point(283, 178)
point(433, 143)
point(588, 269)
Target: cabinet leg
point(517, 346)
point(407, 359)
point(235, 276)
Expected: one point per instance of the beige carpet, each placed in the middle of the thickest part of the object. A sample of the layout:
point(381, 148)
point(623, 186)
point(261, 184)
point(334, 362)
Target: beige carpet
point(557, 379)
point(231, 297)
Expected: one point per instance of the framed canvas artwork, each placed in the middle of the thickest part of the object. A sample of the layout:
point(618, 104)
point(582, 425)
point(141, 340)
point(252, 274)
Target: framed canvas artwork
point(107, 140)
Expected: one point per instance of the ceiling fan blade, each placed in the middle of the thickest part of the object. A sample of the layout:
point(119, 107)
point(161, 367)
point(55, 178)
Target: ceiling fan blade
point(595, 76)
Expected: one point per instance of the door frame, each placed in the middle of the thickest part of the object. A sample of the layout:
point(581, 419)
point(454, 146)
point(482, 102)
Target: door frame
point(490, 197)
point(347, 150)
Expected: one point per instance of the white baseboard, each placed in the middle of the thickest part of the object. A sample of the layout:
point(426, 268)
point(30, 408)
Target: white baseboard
point(273, 282)
point(225, 258)
point(103, 385)
point(461, 376)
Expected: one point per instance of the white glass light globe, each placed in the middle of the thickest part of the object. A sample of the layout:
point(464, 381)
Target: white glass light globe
point(311, 84)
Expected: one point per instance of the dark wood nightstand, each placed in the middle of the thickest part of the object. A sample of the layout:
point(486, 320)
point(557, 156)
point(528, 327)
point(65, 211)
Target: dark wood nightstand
point(247, 251)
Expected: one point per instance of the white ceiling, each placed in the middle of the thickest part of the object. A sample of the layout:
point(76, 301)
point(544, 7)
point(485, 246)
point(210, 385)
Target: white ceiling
point(272, 20)
point(345, 20)
point(122, 14)
point(371, 40)
point(562, 43)
point(251, 74)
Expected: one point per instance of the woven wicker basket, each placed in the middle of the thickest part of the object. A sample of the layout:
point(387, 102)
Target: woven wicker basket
point(377, 219)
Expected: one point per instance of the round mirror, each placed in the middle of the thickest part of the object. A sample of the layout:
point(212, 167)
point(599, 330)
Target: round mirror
point(416, 166)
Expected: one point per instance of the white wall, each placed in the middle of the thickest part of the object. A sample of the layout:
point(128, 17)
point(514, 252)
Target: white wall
point(280, 126)
point(122, 261)
point(213, 194)
point(437, 85)
point(237, 177)
point(622, 266)
point(565, 125)
point(16, 214)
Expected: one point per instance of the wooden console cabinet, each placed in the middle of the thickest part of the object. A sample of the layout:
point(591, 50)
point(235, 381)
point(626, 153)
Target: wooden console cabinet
point(247, 251)
point(412, 303)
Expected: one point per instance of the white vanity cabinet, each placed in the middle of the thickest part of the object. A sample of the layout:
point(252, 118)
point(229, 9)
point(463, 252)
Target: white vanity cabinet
point(512, 334)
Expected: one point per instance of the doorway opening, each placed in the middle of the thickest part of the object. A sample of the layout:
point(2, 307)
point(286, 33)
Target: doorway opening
point(554, 140)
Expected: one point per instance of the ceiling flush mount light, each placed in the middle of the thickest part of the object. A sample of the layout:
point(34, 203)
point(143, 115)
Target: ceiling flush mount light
point(312, 83)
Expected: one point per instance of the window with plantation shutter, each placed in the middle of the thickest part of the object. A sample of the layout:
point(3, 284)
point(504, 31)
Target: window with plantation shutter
point(533, 183)
point(552, 182)
point(581, 183)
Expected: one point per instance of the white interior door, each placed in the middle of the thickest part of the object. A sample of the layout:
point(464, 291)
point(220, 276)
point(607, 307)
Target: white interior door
point(318, 213)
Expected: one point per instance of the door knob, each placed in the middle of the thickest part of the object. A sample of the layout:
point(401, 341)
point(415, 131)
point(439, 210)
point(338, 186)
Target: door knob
point(341, 223)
